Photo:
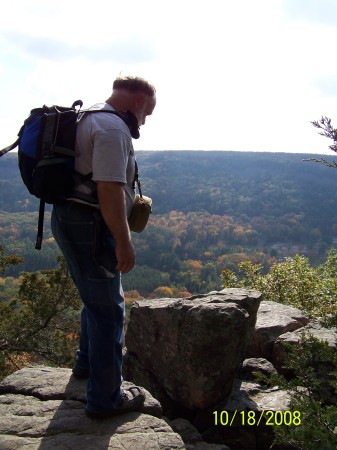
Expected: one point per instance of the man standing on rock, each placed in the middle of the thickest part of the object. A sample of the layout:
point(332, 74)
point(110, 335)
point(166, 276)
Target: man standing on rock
point(92, 231)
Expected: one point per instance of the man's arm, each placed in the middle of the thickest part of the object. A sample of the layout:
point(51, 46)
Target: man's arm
point(111, 199)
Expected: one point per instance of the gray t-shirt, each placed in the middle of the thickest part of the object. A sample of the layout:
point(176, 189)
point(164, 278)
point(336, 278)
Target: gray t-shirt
point(104, 148)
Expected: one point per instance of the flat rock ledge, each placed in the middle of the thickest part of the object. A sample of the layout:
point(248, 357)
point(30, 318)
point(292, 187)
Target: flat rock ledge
point(43, 408)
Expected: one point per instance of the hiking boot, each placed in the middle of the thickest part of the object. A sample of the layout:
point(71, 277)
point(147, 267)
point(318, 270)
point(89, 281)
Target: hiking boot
point(80, 372)
point(132, 400)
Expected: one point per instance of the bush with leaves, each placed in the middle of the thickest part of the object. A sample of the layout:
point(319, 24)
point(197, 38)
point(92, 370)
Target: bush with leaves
point(312, 363)
point(313, 389)
point(42, 322)
point(8, 261)
point(293, 282)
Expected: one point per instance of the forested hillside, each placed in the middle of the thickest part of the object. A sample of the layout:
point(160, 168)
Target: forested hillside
point(210, 211)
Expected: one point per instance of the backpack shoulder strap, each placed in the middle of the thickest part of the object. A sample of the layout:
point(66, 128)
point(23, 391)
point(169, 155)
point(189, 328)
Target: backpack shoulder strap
point(9, 148)
point(111, 111)
point(39, 235)
point(128, 118)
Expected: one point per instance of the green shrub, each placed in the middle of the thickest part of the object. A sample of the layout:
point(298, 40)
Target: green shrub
point(313, 390)
point(293, 282)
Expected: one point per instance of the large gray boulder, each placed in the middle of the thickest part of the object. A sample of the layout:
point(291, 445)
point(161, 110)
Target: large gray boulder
point(293, 338)
point(230, 425)
point(191, 348)
point(320, 365)
point(43, 408)
point(273, 320)
point(251, 366)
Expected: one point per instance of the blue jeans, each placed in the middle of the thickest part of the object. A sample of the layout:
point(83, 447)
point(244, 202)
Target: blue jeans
point(89, 250)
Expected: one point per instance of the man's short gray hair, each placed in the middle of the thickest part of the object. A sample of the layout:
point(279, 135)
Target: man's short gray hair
point(134, 85)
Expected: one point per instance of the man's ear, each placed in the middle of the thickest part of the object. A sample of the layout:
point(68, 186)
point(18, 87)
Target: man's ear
point(139, 99)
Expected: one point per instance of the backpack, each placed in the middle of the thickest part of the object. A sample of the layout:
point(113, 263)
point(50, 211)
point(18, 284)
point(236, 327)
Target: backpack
point(46, 154)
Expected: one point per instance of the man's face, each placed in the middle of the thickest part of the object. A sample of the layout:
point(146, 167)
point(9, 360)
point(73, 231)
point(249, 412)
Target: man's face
point(144, 106)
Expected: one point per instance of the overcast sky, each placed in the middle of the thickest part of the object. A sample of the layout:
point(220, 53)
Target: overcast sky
point(246, 75)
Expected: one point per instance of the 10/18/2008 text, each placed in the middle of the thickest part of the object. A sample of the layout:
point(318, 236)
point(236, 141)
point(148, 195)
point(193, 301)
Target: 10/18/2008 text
point(255, 418)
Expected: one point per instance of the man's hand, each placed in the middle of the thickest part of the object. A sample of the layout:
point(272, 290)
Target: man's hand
point(112, 205)
point(126, 256)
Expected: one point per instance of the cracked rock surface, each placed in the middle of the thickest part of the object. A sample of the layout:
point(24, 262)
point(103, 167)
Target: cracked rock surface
point(43, 408)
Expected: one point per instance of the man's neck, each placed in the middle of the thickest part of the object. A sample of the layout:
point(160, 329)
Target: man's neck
point(120, 101)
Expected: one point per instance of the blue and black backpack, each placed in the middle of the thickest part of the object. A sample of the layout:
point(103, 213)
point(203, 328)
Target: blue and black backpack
point(46, 154)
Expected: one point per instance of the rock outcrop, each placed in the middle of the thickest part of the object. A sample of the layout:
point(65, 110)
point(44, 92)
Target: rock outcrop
point(197, 356)
point(313, 329)
point(43, 408)
point(191, 348)
point(200, 355)
point(273, 320)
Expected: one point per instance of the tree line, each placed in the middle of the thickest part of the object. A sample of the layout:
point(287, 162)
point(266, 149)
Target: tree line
point(211, 210)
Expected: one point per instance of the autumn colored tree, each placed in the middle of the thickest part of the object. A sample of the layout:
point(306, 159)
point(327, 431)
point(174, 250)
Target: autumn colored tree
point(7, 261)
point(132, 296)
